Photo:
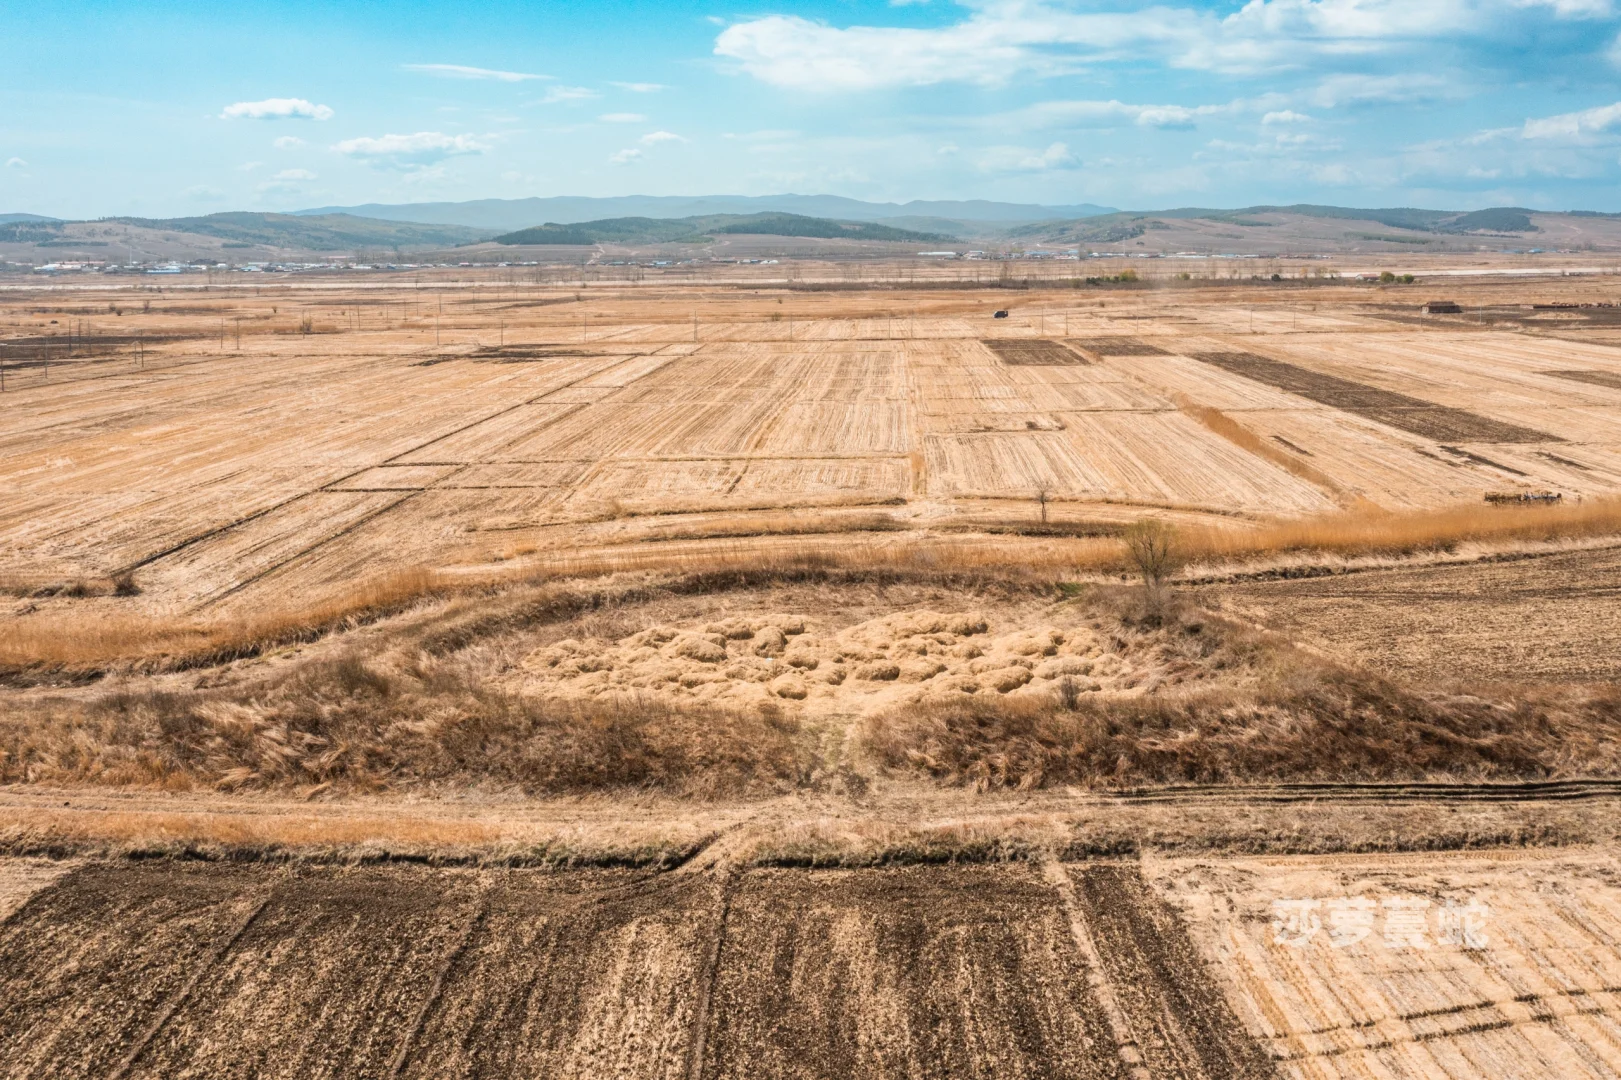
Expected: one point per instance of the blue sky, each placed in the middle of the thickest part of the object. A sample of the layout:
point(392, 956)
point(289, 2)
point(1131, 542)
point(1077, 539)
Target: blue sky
point(163, 108)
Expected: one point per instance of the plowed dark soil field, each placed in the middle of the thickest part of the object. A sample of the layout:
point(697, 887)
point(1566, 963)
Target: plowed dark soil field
point(176, 970)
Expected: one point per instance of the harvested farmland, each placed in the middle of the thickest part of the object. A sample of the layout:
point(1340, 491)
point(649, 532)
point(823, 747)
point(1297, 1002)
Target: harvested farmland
point(793, 669)
point(1038, 353)
point(1422, 418)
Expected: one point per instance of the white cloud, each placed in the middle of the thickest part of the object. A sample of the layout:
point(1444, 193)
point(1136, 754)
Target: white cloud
point(1573, 9)
point(202, 193)
point(641, 87)
point(459, 71)
point(1001, 39)
point(16, 163)
point(1081, 114)
point(276, 109)
point(288, 142)
point(410, 151)
point(294, 174)
point(625, 157)
point(622, 118)
point(1337, 90)
point(654, 137)
point(556, 94)
point(1576, 126)
point(248, 166)
point(1285, 116)
point(1018, 159)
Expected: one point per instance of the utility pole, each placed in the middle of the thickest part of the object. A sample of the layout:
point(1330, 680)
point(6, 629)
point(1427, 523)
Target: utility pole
point(694, 326)
point(239, 333)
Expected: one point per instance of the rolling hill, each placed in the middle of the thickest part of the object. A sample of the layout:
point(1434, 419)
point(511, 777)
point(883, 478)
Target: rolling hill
point(502, 215)
point(642, 230)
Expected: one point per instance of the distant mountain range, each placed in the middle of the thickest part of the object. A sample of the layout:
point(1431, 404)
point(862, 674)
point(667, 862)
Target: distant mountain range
point(642, 230)
point(242, 235)
point(508, 214)
point(244, 230)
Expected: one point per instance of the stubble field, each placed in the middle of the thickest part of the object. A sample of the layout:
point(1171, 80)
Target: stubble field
point(709, 679)
point(227, 461)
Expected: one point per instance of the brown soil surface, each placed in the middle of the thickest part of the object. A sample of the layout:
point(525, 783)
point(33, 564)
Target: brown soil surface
point(1164, 968)
point(1551, 618)
point(167, 970)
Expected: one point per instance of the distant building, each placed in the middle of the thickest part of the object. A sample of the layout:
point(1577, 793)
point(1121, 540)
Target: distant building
point(1442, 307)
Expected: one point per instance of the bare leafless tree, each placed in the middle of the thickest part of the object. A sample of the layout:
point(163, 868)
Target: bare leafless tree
point(1152, 547)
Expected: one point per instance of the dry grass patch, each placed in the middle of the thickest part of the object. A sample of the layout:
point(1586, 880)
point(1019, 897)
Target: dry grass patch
point(355, 725)
point(72, 642)
point(1321, 724)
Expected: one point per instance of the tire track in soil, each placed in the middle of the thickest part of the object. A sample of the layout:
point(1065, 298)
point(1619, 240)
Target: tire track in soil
point(1184, 1025)
point(408, 1043)
point(208, 963)
point(711, 969)
point(102, 959)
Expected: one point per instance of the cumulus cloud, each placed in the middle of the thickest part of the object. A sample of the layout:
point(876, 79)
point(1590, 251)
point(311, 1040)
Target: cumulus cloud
point(16, 163)
point(625, 157)
point(460, 71)
point(410, 151)
point(276, 109)
point(653, 138)
point(622, 118)
point(641, 87)
point(288, 142)
point(1285, 116)
point(1000, 39)
point(294, 174)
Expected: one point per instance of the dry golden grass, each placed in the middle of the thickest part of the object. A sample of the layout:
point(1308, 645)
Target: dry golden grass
point(1301, 719)
point(360, 726)
point(265, 830)
point(1369, 531)
point(65, 641)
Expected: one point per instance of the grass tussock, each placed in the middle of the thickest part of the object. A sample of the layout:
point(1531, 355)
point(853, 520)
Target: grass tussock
point(354, 725)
